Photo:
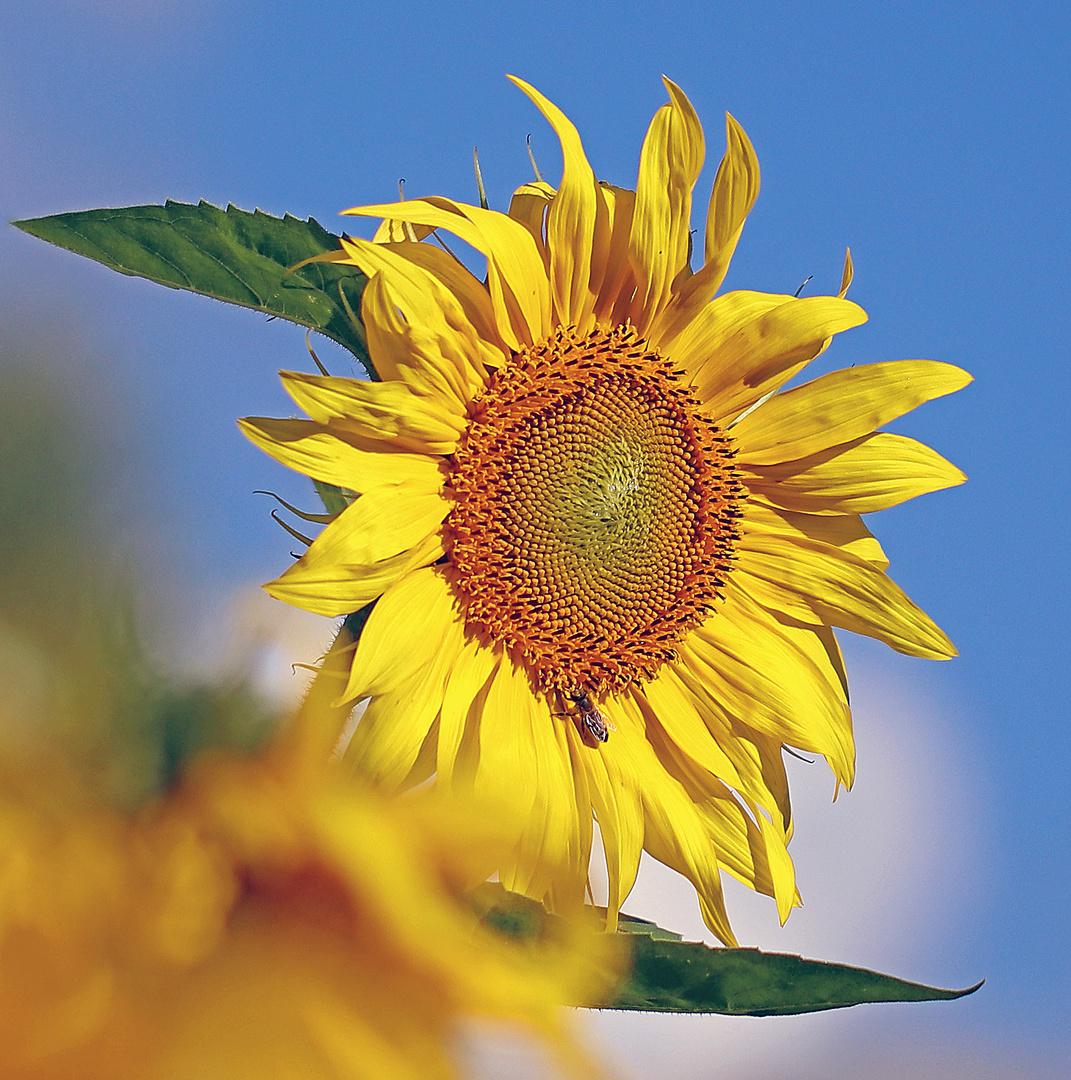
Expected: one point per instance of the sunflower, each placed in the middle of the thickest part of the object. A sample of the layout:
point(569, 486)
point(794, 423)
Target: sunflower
point(606, 550)
point(264, 917)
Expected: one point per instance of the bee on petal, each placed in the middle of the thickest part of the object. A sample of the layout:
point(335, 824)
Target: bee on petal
point(590, 722)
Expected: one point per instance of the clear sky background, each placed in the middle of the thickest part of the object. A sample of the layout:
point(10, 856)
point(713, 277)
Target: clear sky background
point(930, 137)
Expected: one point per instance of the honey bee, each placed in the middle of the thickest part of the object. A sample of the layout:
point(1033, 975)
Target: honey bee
point(590, 722)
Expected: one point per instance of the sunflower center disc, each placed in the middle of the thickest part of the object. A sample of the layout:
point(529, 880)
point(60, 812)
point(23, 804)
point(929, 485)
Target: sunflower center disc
point(595, 510)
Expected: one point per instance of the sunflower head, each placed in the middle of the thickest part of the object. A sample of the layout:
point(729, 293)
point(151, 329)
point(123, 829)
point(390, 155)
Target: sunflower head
point(607, 549)
point(261, 917)
point(594, 511)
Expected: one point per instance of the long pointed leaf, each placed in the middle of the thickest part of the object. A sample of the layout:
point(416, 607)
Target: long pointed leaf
point(671, 975)
point(685, 976)
point(232, 255)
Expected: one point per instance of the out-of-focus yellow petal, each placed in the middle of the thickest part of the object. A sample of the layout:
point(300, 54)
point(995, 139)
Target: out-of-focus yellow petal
point(839, 407)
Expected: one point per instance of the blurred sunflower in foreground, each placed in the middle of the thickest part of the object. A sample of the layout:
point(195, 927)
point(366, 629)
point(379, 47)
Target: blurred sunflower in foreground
point(252, 916)
point(607, 553)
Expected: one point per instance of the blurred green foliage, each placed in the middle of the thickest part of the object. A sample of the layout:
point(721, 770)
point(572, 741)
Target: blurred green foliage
point(75, 679)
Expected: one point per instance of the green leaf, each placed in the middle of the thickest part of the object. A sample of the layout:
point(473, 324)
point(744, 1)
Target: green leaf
point(671, 975)
point(629, 924)
point(334, 498)
point(232, 255)
point(685, 976)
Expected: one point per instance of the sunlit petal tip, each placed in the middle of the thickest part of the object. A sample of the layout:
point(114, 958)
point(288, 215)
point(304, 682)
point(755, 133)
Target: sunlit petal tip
point(858, 315)
point(744, 161)
point(525, 86)
point(678, 96)
point(964, 380)
point(848, 274)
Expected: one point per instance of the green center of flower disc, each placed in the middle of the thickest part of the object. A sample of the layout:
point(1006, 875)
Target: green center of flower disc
point(595, 511)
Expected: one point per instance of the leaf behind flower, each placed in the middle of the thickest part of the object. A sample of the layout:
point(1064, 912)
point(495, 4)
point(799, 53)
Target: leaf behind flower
point(231, 255)
point(671, 975)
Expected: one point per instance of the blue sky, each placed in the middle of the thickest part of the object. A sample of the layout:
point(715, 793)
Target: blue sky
point(931, 138)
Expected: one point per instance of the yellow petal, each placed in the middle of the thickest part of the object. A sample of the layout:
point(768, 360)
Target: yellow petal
point(523, 749)
point(842, 590)
point(529, 206)
point(316, 451)
point(733, 371)
point(844, 531)
point(674, 830)
point(614, 282)
point(868, 474)
point(437, 339)
point(402, 635)
point(776, 678)
point(746, 766)
point(400, 232)
point(736, 187)
point(572, 221)
point(670, 161)
point(507, 770)
point(459, 721)
point(373, 542)
point(386, 411)
point(839, 407)
point(616, 802)
point(754, 855)
point(782, 872)
point(469, 292)
point(404, 351)
point(516, 277)
point(396, 723)
point(716, 325)
point(848, 274)
point(676, 712)
point(558, 833)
